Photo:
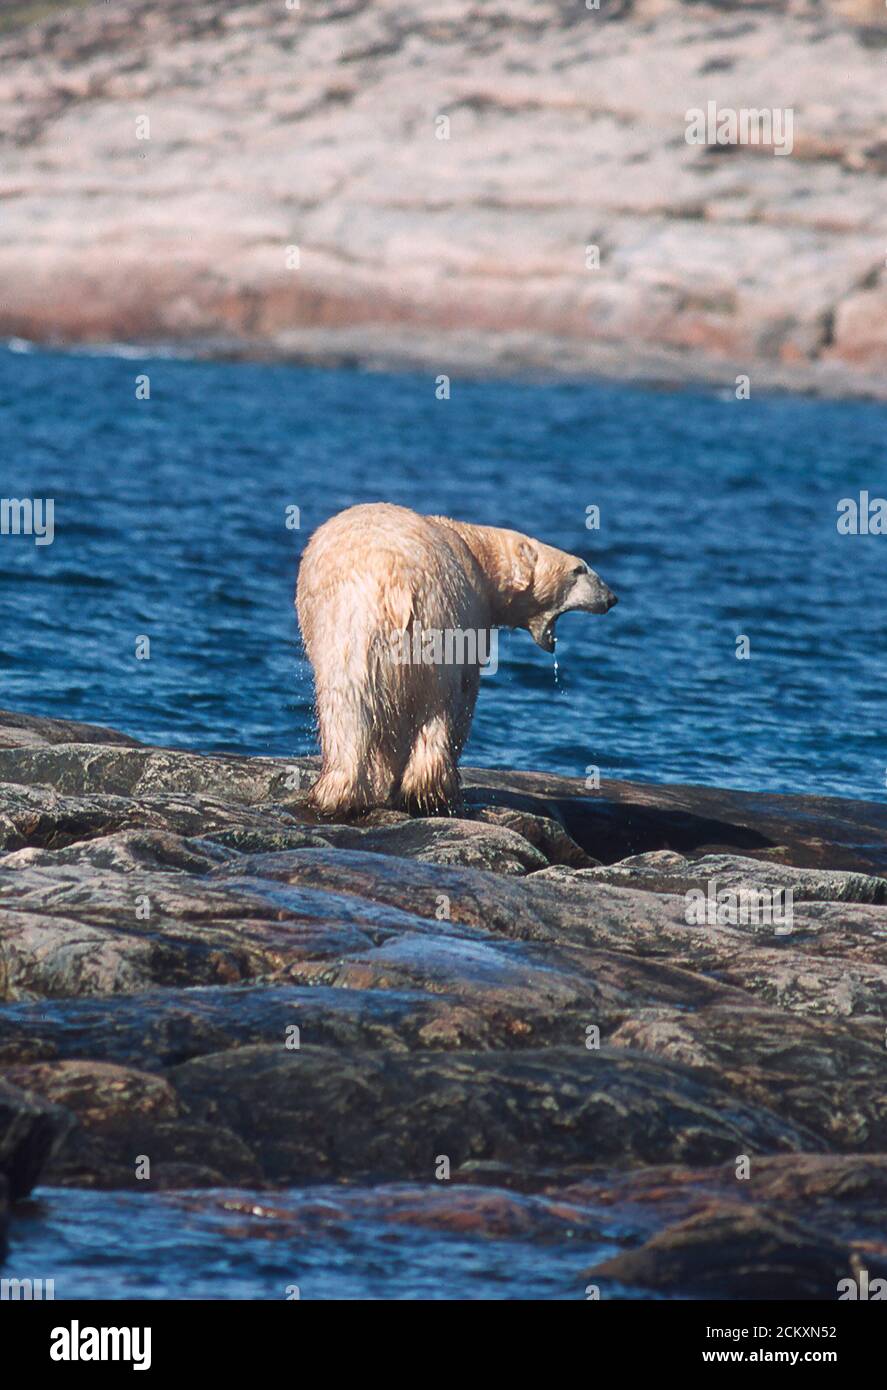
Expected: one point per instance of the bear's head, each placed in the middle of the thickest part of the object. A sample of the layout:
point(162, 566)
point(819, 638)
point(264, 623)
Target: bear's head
point(546, 582)
point(530, 584)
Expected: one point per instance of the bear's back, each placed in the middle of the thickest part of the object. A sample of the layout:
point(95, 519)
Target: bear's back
point(377, 568)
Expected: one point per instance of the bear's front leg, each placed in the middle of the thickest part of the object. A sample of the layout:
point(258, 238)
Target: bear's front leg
point(430, 784)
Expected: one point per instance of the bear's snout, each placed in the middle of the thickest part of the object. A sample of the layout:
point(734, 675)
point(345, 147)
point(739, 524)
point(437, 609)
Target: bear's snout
point(591, 595)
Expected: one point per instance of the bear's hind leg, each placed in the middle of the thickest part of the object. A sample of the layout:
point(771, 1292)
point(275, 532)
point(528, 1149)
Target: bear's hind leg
point(430, 782)
point(338, 792)
point(354, 775)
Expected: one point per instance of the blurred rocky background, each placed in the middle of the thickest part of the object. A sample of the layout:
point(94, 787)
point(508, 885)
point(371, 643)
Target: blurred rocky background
point(295, 199)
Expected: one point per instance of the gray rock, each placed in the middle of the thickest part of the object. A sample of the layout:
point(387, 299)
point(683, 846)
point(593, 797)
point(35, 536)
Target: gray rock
point(389, 1116)
point(31, 1128)
point(736, 1254)
point(480, 987)
point(667, 872)
point(31, 730)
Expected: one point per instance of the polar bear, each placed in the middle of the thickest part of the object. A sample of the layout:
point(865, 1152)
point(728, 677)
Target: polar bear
point(374, 582)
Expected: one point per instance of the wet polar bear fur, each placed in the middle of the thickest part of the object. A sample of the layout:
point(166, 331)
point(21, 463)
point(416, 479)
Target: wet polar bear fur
point(391, 732)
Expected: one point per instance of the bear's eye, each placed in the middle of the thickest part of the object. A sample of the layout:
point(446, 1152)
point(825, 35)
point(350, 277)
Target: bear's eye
point(580, 569)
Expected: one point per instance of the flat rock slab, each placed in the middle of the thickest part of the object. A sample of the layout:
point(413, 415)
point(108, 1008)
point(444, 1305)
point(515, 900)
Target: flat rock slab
point(665, 871)
point(622, 819)
point(166, 1027)
point(395, 1117)
point(32, 730)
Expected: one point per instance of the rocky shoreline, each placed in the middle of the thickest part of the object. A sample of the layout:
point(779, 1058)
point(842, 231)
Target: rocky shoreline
point(478, 189)
point(516, 991)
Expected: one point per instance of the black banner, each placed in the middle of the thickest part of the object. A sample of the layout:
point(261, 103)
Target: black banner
point(86, 1339)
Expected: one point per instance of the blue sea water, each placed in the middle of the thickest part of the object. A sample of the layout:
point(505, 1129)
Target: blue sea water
point(717, 520)
point(124, 1245)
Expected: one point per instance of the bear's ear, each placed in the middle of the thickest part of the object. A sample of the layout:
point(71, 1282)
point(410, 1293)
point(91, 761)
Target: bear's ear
point(523, 566)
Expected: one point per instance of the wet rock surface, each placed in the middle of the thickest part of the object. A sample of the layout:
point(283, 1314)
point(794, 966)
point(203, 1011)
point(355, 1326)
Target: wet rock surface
point(502, 1023)
point(31, 1127)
